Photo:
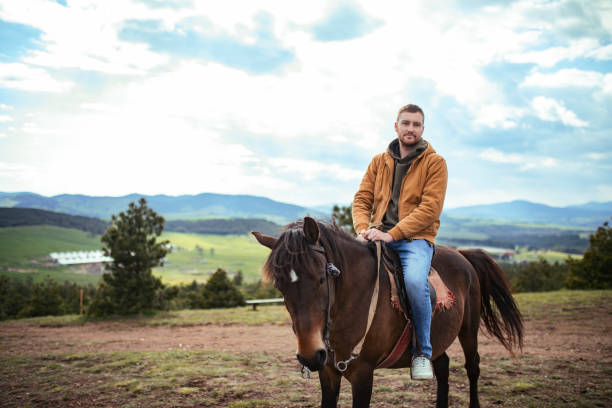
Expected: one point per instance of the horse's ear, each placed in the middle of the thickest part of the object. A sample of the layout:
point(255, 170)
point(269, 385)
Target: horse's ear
point(265, 240)
point(311, 230)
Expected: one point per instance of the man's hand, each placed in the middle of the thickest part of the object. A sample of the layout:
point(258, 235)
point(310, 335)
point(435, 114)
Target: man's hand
point(375, 235)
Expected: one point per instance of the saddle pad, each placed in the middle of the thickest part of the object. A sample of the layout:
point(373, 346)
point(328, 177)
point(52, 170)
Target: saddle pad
point(441, 296)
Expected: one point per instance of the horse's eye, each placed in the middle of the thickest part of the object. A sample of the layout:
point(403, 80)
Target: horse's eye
point(321, 281)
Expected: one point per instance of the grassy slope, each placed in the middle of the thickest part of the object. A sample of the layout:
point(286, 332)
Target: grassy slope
point(20, 247)
point(230, 252)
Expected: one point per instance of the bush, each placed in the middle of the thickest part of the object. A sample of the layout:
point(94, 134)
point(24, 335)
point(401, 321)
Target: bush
point(25, 298)
point(538, 276)
point(219, 291)
point(14, 295)
point(261, 290)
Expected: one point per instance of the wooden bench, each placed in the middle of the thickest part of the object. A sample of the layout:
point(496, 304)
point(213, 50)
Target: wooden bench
point(256, 302)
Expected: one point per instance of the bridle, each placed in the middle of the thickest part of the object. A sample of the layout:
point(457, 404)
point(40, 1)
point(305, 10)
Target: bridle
point(334, 272)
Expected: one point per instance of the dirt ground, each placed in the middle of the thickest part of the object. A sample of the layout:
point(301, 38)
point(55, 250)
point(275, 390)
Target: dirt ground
point(566, 361)
point(563, 339)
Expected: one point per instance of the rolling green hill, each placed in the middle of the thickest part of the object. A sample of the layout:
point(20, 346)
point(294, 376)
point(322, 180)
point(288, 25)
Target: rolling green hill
point(23, 251)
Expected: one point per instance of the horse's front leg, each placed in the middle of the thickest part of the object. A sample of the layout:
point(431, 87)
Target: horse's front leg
point(361, 383)
point(441, 368)
point(330, 386)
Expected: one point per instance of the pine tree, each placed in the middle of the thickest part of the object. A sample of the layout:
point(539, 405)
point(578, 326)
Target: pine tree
point(129, 286)
point(344, 217)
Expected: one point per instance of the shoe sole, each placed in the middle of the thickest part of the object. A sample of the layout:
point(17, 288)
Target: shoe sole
point(421, 378)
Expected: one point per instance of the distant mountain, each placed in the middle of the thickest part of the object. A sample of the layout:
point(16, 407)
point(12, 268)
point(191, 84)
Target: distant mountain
point(589, 215)
point(208, 206)
point(184, 207)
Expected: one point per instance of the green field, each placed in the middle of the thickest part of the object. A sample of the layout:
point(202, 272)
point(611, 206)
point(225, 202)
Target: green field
point(230, 252)
point(23, 249)
point(549, 256)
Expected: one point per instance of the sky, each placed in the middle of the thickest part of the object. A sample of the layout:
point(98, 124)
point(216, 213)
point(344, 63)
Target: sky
point(291, 100)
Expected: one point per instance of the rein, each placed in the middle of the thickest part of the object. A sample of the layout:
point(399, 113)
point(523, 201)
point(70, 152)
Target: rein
point(334, 272)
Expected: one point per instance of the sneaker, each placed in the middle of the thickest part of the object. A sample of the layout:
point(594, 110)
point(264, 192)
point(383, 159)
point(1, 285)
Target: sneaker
point(421, 369)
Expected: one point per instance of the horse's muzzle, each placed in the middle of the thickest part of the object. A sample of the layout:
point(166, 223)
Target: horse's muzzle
point(317, 362)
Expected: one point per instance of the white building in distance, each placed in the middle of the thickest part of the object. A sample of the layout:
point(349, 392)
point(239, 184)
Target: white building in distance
point(79, 257)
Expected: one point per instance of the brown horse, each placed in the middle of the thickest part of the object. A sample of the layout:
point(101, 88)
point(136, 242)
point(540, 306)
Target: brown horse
point(327, 278)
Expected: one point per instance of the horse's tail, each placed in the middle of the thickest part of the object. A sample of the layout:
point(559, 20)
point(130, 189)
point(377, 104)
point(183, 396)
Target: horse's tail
point(494, 284)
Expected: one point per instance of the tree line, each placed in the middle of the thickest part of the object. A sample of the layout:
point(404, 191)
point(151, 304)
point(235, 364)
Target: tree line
point(16, 217)
point(236, 226)
point(20, 298)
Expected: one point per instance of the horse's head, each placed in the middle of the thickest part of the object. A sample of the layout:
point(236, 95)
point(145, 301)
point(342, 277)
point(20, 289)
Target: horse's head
point(298, 266)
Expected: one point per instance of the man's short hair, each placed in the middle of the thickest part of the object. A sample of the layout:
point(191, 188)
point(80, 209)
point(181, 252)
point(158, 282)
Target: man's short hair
point(412, 109)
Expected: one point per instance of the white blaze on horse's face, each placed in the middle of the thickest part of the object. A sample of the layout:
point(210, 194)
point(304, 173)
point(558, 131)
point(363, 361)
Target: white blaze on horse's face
point(293, 275)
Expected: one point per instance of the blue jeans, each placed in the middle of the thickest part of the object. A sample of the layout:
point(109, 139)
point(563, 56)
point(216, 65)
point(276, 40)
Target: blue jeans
point(416, 259)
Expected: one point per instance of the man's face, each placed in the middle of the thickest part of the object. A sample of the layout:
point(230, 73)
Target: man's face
point(409, 128)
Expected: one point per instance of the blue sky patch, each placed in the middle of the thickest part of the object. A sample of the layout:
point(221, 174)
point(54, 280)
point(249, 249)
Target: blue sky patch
point(17, 40)
point(264, 56)
point(345, 22)
point(172, 4)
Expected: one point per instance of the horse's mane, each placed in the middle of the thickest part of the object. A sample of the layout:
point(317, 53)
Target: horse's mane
point(292, 249)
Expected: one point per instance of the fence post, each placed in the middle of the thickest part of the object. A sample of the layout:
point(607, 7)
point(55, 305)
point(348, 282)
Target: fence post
point(81, 303)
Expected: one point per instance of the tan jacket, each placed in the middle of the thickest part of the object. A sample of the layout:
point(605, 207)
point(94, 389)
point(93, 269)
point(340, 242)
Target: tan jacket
point(421, 197)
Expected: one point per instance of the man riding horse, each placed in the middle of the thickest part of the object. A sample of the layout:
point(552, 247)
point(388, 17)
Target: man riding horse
point(399, 201)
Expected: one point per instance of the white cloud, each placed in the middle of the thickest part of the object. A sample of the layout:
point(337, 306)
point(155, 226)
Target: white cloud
point(525, 161)
point(565, 78)
point(499, 116)
point(5, 107)
point(5, 118)
point(26, 78)
point(598, 156)
point(100, 107)
point(3, 135)
point(548, 109)
point(553, 55)
point(495, 155)
point(607, 86)
point(602, 53)
point(310, 170)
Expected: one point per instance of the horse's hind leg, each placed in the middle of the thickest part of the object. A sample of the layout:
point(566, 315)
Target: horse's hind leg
point(440, 366)
point(330, 387)
point(468, 337)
